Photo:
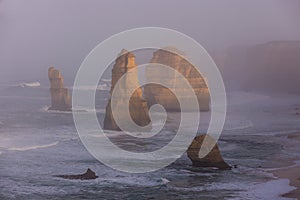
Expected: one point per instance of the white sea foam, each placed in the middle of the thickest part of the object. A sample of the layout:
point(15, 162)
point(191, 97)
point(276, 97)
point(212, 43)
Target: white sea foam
point(27, 148)
point(136, 181)
point(270, 190)
point(238, 126)
point(45, 109)
point(164, 181)
point(106, 80)
point(103, 87)
point(30, 84)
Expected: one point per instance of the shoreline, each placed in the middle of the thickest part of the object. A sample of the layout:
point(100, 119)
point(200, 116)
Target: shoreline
point(292, 172)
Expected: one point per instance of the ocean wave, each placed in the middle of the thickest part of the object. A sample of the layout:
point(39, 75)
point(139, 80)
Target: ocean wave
point(106, 80)
point(45, 109)
point(239, 126)
point(100, 87)
point(32, 147)
point(137, 181)
point(103, 87)
point(269, 190)
point(30, 84)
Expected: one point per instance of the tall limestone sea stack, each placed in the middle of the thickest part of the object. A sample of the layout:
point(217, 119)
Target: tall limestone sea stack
point(158, 94)
point(60, 98)
point(138, 108)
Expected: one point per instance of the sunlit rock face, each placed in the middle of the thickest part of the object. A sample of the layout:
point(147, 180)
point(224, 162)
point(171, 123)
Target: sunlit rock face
point(60, 98)
point(212, 159)
point(137, 105)
point(157, 94)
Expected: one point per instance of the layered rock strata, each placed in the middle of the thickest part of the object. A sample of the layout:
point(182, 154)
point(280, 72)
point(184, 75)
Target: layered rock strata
point(137, 105)
point(157, 94)
point(60, 98)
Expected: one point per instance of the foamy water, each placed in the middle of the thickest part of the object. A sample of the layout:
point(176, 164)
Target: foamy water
point(27, 148)
point(36, 144)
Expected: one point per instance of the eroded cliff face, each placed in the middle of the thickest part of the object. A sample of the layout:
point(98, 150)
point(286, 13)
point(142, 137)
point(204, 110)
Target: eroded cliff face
point(137, 105)
point(158, 94)
point(60, 98)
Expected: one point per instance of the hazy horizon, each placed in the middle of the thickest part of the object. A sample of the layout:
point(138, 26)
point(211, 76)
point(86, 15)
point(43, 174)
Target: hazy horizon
point(35, 35)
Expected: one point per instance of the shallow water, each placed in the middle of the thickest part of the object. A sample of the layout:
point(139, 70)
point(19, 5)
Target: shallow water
point(36, 144)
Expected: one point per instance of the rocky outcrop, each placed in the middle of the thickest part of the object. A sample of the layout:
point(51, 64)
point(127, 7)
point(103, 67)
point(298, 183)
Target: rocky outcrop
point(157, 94)
point(60, 98)
point(213, 159)
point(137, 105)
point(88, 175)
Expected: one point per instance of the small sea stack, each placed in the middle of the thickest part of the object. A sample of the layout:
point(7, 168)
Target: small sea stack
point(212, 159)
point(60, 98)
point(88, 175)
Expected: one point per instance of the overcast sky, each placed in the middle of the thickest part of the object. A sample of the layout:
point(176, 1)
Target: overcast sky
point(36, 34)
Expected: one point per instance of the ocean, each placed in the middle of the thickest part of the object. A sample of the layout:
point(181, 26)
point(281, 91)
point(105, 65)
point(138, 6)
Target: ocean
point(36, 145)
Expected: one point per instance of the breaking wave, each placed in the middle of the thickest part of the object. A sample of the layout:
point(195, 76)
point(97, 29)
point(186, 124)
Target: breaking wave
point(106, 80)
point(45, 109)
point(103, 87)
point(32, 147)
point(240, 126)
point(31, 84)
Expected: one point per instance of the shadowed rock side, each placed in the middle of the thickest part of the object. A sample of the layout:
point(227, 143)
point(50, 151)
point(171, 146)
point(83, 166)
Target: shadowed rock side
point(89, 174)
point(213, 159)
point(60, 98)
point(158, 94)
point(137, 105)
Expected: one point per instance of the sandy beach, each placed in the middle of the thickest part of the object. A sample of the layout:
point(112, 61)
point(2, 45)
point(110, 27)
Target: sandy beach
point(292, 173)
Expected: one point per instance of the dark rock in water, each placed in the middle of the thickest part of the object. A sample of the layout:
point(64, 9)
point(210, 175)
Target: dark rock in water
point(89, 174)
point(60, 98)
point(213, 159)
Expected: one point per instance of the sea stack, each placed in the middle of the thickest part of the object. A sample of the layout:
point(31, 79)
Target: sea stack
point(156, 94)
point(212, 159)
point(60, 98)
point(138, 108)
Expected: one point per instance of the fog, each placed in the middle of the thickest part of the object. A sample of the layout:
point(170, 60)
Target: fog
point(35, 35)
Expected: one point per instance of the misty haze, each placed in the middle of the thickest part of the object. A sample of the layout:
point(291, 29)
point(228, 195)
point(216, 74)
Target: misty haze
point(255, 46)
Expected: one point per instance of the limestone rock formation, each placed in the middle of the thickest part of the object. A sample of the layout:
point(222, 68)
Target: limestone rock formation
point(89, 174)
point(213, 159)
point(158, 94)
point(60, 98)
point(137, 105)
